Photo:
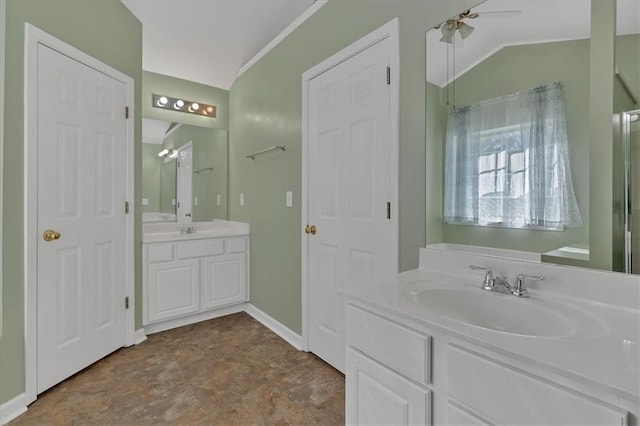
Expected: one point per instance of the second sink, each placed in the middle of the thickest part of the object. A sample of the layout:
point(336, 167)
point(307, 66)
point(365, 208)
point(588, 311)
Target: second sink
point(498, 313)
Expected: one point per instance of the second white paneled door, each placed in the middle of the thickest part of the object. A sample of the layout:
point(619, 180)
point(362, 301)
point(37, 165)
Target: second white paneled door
point(81, 216)
point(351, 232)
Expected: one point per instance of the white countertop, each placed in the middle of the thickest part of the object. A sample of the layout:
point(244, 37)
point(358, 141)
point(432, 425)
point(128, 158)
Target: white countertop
point(169, 232)
point(601, 352)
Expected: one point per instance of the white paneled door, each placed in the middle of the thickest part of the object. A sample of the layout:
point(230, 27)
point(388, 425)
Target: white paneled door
point(80, 216)
point(350, 229)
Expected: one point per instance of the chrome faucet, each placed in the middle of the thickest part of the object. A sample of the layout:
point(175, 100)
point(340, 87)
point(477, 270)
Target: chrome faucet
point(519, 288)
point(188, 230)
point(501, 284)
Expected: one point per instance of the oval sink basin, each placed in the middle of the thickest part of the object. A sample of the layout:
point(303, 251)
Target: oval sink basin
point(497, 312)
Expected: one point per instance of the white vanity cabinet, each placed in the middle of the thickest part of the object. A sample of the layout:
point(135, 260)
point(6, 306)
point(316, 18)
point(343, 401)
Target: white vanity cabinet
point(173, 289)
point(388, 368)
point(224, 279)
point(403, 373)
point(183, 279)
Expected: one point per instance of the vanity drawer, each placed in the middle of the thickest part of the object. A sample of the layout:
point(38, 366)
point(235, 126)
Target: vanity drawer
point(160, 252)
point(236, 245)
point(507, 395)
point(200, 248)
point(400, 348)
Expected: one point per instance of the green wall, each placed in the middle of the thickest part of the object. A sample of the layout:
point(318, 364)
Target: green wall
point(510, 70)
point(151, 176)
point(3, 7)
point(153, 83)
point(265, 110)
point(106, 30)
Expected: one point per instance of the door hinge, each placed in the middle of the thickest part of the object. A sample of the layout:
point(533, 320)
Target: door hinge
point(388, 210)
point(126, 207)
point(126, 302)
point(126, 112)
point(178, 204)
point(388, 75)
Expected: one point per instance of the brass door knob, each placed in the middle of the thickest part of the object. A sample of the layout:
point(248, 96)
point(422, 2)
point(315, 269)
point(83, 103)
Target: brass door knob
point(310, 229)
point(50, 235)
point(187, 214)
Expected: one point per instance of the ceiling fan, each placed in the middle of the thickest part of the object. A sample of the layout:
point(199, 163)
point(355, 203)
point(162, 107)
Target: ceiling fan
point(450, 26)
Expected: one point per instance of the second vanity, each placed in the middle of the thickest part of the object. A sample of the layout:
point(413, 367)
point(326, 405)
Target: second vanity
point(193, 272)
point(434, 348)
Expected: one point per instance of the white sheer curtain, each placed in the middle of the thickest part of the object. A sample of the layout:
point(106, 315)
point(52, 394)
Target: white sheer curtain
point(507, 162)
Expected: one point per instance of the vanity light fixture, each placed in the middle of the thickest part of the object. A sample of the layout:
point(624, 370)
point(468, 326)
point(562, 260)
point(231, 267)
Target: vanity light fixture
point(167, 153)
point(183, 105)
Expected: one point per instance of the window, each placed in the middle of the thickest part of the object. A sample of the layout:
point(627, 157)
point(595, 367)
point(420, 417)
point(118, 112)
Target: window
point(507, 163)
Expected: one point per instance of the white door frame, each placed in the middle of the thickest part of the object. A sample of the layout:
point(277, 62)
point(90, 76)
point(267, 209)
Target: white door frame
point(391, 31)
point(33, 38)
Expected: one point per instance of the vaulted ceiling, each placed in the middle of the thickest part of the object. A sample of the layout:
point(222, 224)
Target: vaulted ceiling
point(208, 41)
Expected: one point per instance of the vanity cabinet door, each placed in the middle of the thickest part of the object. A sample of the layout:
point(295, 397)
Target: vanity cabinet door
point(509, 396)
point(224, 280)
point(173, 289)
point(376, 395)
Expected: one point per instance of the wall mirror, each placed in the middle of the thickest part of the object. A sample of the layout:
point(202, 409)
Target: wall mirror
point(184, 172)
point(484, 69)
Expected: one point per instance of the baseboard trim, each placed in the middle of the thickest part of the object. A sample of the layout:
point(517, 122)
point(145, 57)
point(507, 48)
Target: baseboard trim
point(13, 408)
point(277, 327)
point(139, 337)
point(191, 319)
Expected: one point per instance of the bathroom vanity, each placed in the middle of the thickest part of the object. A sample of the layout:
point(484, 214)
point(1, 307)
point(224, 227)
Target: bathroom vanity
point(193, 272)
point(436, 349)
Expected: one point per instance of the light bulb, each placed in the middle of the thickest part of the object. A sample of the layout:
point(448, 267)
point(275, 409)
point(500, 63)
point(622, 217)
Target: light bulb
point(162, 101)
point(195, 106)
point(163, 152)
point(209, 109)
point(179, 104)
point(465, 30)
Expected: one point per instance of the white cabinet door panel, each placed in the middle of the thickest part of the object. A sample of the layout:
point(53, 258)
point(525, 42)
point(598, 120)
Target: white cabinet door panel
point(224, 280)
point(378, 396)
point(380, 339)
point(174, 289)
point(458, 416)
point(509, 396)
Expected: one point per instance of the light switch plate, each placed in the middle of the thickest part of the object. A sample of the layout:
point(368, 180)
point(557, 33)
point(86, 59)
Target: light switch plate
point(195, 201)
point(173, 201)
point(289, 199)
point(242, 199)
point(218, 200)
point(145, 201)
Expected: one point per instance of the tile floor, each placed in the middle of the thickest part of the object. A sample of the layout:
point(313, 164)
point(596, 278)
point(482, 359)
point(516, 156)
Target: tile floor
point(226, 371)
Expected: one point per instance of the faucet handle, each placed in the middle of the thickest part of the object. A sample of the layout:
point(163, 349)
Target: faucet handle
point(489, 280)
point(519, 288)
